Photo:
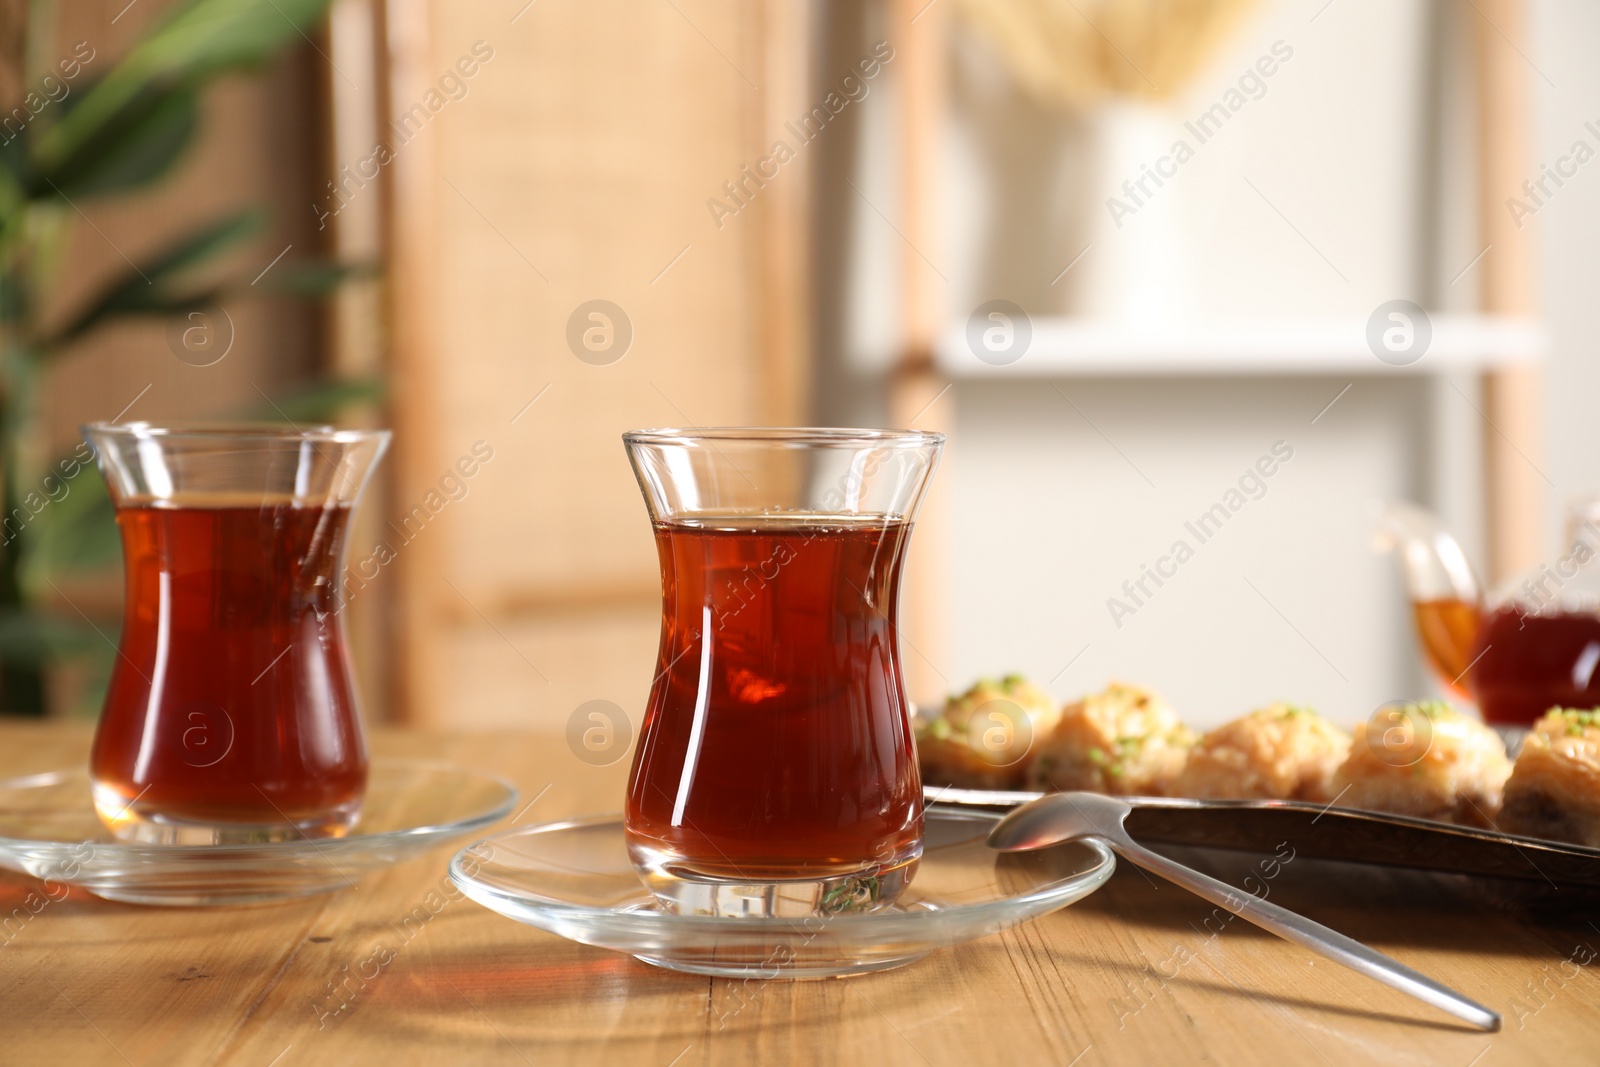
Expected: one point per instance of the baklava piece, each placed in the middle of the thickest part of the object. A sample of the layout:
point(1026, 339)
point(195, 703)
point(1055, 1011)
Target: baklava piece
point(983, 737)
point(1125, 741)
point(1427, 760)
point(1280, 752)
point(1554, 789)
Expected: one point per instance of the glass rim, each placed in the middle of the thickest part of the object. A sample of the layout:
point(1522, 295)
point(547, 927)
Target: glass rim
point(784, 435)
point(201, 430)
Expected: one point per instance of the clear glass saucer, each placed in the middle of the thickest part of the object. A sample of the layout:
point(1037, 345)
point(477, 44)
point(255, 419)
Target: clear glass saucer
point(574, 879)
point(48, 828)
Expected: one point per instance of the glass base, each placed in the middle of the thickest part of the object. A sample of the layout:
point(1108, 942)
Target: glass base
point(152, 825)
point(681, 890)
point(766, 970)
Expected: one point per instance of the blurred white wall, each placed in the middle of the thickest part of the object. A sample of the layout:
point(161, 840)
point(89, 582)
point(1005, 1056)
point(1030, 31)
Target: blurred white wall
point(1566, 36)
point(1345, 184)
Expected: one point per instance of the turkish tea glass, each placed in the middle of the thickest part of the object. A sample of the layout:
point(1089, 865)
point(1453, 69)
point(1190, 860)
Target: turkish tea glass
point(231, 716)
point(776, 772)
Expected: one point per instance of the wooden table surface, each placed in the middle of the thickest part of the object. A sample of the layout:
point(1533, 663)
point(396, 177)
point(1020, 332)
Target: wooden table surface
point(1129, 975)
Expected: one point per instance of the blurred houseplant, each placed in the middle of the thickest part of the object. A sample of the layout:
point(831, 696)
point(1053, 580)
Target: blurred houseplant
point(74, 135)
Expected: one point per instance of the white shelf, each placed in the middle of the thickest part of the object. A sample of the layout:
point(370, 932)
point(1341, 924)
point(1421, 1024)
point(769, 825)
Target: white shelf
point(1068, 347)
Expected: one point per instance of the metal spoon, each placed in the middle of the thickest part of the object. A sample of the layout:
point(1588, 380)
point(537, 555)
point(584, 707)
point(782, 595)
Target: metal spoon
point(1073, 816)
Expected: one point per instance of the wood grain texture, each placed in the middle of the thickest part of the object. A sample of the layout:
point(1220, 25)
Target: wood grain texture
point(414, 365)
point(1513, 404)
point(919, 397)
point(1131, 975)
point(581, 162)
point(352, 83)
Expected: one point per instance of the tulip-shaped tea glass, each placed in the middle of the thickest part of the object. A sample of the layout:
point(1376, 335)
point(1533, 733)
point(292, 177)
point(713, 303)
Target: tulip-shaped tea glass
point(231, 715)
point(776, 773)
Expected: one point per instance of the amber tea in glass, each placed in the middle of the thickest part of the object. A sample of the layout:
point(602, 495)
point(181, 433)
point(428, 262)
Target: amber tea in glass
point(776, 772)
point(231, 713)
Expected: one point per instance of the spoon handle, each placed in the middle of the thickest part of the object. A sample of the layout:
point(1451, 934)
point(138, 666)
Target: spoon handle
point(1314, 936)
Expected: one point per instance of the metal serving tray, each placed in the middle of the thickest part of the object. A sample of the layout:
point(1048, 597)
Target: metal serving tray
point(1334, 833)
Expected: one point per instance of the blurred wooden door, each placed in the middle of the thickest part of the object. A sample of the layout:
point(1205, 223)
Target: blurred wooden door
point(560, 276)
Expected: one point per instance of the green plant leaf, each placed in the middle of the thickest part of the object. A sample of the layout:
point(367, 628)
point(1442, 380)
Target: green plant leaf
point(146, 139)
point(13, 298)
point(98, 661)
point(320, 401)
point(313, 279)
point(205, 242)
point(149, 290)
point(33, 637)
point(197, 41)
point(74, 532)
point(14, 170)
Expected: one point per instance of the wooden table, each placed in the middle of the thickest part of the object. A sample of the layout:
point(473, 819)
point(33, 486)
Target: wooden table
point(1130, 975)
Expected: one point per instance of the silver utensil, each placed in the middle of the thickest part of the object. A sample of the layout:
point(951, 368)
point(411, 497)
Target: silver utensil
point(1063, 817)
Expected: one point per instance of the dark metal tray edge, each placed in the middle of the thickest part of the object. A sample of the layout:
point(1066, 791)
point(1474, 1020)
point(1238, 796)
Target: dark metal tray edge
point(1336, 833)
